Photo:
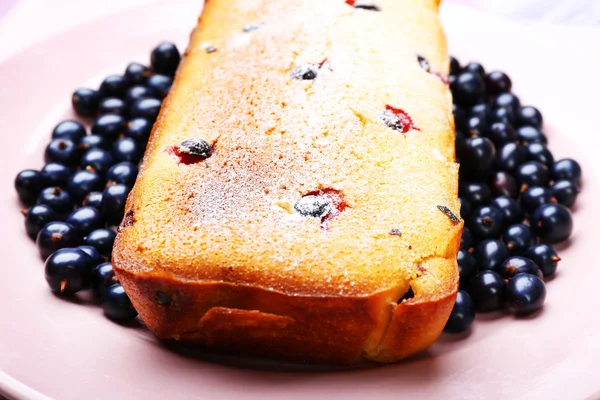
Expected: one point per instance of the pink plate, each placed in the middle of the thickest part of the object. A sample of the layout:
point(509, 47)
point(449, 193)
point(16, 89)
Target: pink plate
point(58, 349)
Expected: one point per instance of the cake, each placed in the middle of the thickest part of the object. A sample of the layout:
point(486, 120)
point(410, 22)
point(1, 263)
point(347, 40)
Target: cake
point(298, 196)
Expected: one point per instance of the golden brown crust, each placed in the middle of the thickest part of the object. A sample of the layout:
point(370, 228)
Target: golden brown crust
point(215, 253)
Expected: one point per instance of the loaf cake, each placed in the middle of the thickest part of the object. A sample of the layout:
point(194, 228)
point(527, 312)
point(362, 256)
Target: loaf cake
point(298, 196)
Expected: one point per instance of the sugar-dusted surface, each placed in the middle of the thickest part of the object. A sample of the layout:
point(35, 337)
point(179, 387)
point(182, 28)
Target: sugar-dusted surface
point(559, 347)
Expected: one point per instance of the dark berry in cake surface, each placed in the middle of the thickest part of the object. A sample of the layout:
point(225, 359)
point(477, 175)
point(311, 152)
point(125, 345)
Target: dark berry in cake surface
point(510, 209)
point(467, 266)
point(28, 184)
point(490, 253)
point(165, 59)
point(194, 147)
point(62, 151)
point(160, 84)
point(565, 192)
point(515, 265)
point(534, 197)
point(488, 291)
point(544, 256)
point(504, 184)
point(468, 88)
point(518, 238)
point(510, 157)
point(103, 240)
point(85, 220)
point(69, 129)
point(486, 222)
point(147, 108)
point(57, 198)
point(112, 105)
point(85, 102)
point(529, 134)
point(98, 160)
point(124, 172)
point(568, 169)
point(127, 149)
point(103, 276)
point(83, 182)
point(139, 129)
point(497, 82)
point(397, 119)
point(136, 74)
point(552, 223)
point(462, 315)
point(525, 293)
point(38, 216)
point(55, 174)
point(56, 235)
point(113, 203)
point(116, 304)
point(476, 155)
point(313, 206)
point(363, 5)
point(529, 116)
point(113, 86)
point(305, 72)
point(423, 63)
point(68, 271)
point(109, 126)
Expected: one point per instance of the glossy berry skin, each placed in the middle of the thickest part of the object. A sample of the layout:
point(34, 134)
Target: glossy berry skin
point(568, 169)
point(468, 88)
point(475, 193)
point(504, 184)
point(460, 118)
point(462, 315)
point(533, 173)
point(466, 239)
point(486, 222)
point(529, 134)
point(476, 155)
point(467, 266)
point(516, 265)
point(454, 66)
point(510, 156)
point(540, 153)
point(476, 125)
point(160, 85)
point(507, 100)
point(62, 151)
point(497, 82)
point(55, 174)
point(94, 254)
point(103, 276)
point(97, 159)
point(510, 209)
point(113, 86)
point(136, 74)
point(529, 116)
point(116, 304)
point(139, 129)
point(534, 197)
point(69, 129)
point(490, 253)
point(28, 184)
point(475, 68)
point(56, 235)
point(85, 102)
point(113, 203)
point(147, 108)
point(38, 216)
point(525, 293)
point(544, 256)
point(57, 198)
point(126, 149)
point(488, 291)
point(112, 105)
point(93, 199)
point(94, 142)
point(502, 114)
point(83, 182)
point(500, 133)
point(480, 110)
point(565, 192)
point(465, 207)
point(518, 238)
point(137, 92)
point(103, 240)
point(85, 220)
point(552, 223)
point(123, 172)
point(68, 271)
point(165, 59)
point(109, 125)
